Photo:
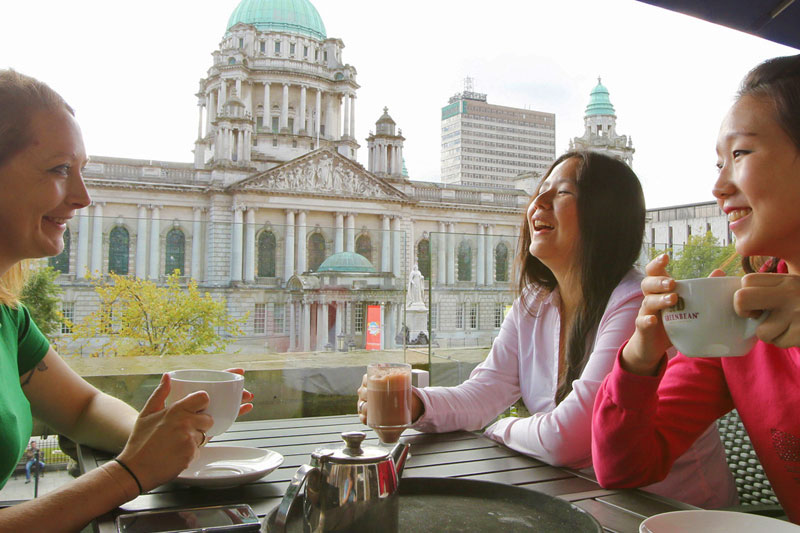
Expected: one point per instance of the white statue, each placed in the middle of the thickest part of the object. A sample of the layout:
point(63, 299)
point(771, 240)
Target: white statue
point(415, 288)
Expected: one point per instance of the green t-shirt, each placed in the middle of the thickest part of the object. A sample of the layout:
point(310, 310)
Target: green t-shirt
point(22, 346)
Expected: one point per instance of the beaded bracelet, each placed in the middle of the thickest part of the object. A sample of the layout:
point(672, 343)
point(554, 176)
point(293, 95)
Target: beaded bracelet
point(136, 479)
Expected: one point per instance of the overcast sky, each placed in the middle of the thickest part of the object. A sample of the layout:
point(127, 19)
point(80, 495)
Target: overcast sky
point(131, 71)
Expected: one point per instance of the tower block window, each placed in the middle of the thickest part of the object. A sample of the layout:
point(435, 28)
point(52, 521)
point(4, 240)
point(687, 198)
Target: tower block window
point(263, 46)
point(277, 47)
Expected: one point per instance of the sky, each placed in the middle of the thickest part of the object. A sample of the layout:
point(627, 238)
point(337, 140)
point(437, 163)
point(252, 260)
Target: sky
point(131, 71)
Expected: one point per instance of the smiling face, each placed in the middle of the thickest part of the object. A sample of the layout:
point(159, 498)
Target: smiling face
point(42, 188)
point(553, 219)
point(759, 181)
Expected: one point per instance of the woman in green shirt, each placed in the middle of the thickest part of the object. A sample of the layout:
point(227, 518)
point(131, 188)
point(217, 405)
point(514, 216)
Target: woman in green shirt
point(41, 188)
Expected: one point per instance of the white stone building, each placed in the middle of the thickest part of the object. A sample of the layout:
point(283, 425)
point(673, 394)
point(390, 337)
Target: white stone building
point(487, 145)
point(274, 208)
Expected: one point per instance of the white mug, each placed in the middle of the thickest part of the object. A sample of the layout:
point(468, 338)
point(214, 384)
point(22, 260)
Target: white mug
point(703, 322)
point(224, 392)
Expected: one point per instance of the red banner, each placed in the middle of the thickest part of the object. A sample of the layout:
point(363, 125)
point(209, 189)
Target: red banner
point(373, 327)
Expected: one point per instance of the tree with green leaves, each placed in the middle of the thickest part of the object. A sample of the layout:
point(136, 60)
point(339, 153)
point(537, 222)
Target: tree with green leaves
point(41, 296)
point(699, 256)
point(139, 317)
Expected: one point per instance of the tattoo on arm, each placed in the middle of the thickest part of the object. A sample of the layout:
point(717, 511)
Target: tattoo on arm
point(41, 367)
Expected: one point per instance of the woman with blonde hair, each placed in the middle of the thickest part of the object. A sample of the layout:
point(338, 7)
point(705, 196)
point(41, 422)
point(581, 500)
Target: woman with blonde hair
point(41, 188)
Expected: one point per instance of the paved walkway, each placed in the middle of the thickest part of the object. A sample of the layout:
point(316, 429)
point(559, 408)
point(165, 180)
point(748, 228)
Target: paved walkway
point(17, 489)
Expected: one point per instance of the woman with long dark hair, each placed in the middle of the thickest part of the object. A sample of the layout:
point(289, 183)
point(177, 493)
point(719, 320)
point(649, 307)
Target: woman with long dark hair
point(578, 295)
point(648, 411)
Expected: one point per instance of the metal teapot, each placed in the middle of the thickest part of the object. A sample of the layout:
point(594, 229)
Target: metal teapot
point(348, 489)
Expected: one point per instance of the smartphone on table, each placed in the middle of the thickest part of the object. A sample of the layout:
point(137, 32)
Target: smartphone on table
point(238, 518)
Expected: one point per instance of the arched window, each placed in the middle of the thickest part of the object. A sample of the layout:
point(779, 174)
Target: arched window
point(176, 252)
point(464, 261)
point(118, 250)
point(501, 262)
point(266, 255)
point(316, 251)
point(424, 258)
point(364, 246)
point(61, 261)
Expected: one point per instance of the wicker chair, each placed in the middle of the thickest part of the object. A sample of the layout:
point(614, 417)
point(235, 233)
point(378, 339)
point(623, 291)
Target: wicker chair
point(755, 491)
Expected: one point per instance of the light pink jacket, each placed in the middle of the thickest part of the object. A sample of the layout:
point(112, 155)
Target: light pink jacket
point(523, 362)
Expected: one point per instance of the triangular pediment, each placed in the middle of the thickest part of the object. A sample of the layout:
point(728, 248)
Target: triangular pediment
point(323, 172)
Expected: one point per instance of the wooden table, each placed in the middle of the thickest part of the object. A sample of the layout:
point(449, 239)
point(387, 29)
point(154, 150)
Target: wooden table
point(458, 454)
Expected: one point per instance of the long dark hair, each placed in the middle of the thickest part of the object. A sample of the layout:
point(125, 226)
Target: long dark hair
point(611, 215)
point(776, 80)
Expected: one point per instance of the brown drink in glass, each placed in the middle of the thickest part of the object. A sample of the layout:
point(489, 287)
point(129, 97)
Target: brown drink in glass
point(389, 399)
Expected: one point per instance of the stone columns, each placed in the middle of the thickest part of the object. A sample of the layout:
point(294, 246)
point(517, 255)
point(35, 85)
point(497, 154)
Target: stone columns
point(346, 105)
point(325, 336)
point(250, 245)
point(211, 108)
point(292, 328)
point(81, 261)
point(302, 116)
point(141, 243)
point(320, 337)
point(318, 113)
point(284, 128)
point(338, 325)
point(223, 96)
point(338, 117)
point(350, 236)
point(239, 145)
point(288, 255)
point(481, 255)
point(386, 244)
point(239, 88)
point(451, 252)
point(267, 108)
point(155, 242)
point(197, 231)
point(200, 105)
point(97, 240)
point(441, 252)
point(236, 244)
point(306, 328)
point(397, 236)
point(338, 239)
point(329, 117)
point(352, 116)
point(489, 257)
point(301, 242)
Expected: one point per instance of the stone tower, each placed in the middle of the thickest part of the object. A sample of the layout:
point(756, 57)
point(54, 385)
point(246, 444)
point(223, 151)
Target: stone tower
point(600, 133)
point(277, 89)
point(386, 148)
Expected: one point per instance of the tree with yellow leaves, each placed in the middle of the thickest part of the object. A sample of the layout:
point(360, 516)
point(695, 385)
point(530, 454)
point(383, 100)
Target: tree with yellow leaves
point(140, 318)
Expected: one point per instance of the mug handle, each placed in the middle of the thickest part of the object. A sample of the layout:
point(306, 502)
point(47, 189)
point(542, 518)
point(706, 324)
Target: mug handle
point(288, 499)
point(753, 323)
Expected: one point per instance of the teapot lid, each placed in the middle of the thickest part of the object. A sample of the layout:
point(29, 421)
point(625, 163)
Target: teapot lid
point(353, 452)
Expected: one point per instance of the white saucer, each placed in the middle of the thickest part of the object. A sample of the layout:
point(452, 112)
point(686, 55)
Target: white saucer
point(715, 522)
point(218, 467)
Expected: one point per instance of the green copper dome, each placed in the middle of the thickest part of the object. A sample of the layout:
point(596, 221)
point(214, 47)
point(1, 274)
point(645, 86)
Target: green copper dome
point(293, 16)
point(599, 102)
point(346, 262)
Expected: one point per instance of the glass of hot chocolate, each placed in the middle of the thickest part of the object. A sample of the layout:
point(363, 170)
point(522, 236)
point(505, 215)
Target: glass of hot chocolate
point(389, 399)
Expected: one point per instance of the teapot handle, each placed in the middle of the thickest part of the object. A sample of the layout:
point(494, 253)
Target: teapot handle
point(288, 499)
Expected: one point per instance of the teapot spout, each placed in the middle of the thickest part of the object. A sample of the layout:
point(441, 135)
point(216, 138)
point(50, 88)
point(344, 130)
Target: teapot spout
point(399, 456)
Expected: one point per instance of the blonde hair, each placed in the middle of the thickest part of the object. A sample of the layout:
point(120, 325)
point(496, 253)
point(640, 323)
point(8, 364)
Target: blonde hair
point(11, 283)
point(20, 98)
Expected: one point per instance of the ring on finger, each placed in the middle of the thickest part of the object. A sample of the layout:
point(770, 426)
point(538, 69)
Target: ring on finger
point(204, 440)
point(361, 406)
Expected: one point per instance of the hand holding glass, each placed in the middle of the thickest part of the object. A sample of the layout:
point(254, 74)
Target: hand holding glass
point(389, 399)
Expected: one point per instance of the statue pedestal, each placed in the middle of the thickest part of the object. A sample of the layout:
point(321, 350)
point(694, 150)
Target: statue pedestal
point(417, 322)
